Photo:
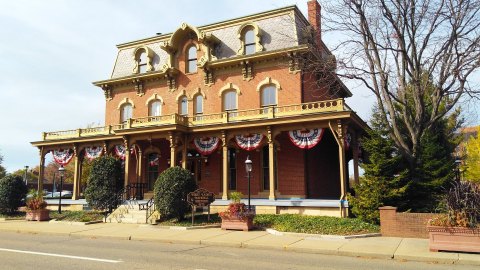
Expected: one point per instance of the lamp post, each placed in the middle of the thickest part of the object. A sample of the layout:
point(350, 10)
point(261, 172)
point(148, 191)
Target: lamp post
point(25, 175)
point(248, 167)
point(61, 171)
point(458, 162)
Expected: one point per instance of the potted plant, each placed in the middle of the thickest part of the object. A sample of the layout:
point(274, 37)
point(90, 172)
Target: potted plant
point(37, 207)
point(237, 216)
point(459, 228)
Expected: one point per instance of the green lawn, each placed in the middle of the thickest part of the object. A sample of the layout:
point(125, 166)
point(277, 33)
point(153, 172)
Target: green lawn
point(17, 214)
point(78, 216)
point(200, 220)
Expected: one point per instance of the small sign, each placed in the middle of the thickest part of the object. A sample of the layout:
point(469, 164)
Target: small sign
point(200, 197)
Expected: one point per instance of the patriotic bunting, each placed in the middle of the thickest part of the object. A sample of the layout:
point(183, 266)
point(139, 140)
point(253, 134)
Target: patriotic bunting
point(306, 139)
point(62, 156)
point(206, 145)
point(120, 151)
point(249, 142)
point(93, 152)
point(154, 160)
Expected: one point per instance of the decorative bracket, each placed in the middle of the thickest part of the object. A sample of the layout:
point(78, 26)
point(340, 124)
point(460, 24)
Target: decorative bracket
point(208, 76)
point(139, 87)
point(247, 70)
point(107, 90)
point(294, 63)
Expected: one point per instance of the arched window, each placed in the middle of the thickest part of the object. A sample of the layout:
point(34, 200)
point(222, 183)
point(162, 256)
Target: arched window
point(230, 100)
point(126, 112)
point(142, 62)
point(192, 59)
point(155, 108)
point(198, 104)
point(183, 106)
point(249, 42)
point(269, 96)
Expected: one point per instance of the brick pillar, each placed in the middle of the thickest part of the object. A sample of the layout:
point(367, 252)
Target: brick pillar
point(387, 219)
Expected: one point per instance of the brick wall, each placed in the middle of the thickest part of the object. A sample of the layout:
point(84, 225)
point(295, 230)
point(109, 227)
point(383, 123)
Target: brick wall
point(411, 225)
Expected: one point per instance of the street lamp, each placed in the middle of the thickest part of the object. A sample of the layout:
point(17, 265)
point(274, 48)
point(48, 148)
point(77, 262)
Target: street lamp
point(61, 171)
point(25, 175)
point(458, 162)
point(248, 167)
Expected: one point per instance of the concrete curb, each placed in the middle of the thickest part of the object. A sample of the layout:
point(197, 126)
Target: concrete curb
point(76, 223)
point(322, 236)
point(182, 228)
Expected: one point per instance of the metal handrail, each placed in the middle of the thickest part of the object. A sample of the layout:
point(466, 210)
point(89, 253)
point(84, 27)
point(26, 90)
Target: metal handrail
point(149, 207)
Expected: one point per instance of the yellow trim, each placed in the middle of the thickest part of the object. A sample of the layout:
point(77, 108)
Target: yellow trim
point(268, 81)
point(154, 97)
point(181, 94)
point(125, 101)
point(229, 86)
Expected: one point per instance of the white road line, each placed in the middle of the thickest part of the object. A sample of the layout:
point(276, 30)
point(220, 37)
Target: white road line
point(58, 255)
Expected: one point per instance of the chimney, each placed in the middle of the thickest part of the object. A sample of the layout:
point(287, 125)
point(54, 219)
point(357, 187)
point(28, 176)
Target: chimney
point(315, 18)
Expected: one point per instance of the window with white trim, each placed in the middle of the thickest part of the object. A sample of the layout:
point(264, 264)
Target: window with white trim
point(126, 112)
point(155, 108)
point(192, 59)
point(142, 62)
point(230, 100)
point(249, 42)
point(183, 106)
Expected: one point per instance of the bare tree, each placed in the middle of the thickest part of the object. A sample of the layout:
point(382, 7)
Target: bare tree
point(392, 46)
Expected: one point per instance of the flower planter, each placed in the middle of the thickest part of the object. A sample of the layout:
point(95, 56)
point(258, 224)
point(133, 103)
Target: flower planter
point(454, 239)
point(39, 215)
point(233, 223)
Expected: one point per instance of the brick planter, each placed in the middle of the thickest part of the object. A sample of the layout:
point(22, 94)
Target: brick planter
point(232, 223)
point(38, 215)
point(454, 239)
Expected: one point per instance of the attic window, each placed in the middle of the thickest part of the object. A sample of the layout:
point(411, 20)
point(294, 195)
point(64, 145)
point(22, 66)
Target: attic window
point(250, 39)
point(192, 59)
point(250, 44)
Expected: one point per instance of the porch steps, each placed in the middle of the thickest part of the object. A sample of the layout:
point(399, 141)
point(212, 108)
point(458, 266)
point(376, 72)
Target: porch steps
point(130, 213)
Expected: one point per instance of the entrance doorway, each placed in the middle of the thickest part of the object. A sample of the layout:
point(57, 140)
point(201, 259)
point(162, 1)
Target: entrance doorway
point(153, 160)
point(194, 165)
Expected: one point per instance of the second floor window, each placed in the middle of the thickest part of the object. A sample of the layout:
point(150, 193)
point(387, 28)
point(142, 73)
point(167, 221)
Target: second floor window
point(249, 40)
point(126, 112)
point(142, 62)
point(192, 59)
point(230, 100)
point(199, 104)
point(155, 108)
point(269, 96)
point(183, 106)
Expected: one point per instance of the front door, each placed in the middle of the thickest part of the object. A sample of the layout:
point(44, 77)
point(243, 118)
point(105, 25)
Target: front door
point(194, 165)
point(152, 169)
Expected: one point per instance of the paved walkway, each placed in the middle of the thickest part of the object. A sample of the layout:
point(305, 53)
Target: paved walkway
point(372, 247)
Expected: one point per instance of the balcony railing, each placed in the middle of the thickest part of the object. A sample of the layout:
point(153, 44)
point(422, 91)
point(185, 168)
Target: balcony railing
point(205, 119)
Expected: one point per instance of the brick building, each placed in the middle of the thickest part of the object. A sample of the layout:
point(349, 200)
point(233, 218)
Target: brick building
point(206, 97)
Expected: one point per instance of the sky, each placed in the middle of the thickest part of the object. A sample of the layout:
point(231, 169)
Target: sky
point(51, 51)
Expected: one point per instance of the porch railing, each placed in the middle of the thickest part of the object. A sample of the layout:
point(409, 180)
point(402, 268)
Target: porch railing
point(270, 112)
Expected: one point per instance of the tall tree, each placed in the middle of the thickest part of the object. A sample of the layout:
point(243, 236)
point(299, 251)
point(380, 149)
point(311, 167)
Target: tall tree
point(472, 161)
point(391, 45)
point(3, 172)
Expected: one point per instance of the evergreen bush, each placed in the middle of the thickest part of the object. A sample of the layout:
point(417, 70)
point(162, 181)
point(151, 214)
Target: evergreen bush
point(12, 191)
point(104, 181)
point(171, 189)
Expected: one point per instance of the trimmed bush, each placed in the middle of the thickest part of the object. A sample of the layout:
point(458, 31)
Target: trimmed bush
point(12, 191)
point(104, 181)
point(171, 189)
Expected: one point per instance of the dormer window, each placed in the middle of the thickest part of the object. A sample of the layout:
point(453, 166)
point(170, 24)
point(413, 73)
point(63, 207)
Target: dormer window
point(192, 59)
point(249, 39)
point(142, 62)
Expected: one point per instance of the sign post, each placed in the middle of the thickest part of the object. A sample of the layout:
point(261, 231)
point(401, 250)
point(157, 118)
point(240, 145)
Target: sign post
point(200, 197)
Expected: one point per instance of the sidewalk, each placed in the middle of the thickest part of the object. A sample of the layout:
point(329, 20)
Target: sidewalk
point(373, 247)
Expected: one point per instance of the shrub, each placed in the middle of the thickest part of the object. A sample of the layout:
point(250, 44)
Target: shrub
point(104, 181)
point(12, 191)
point(236, 209)
point(369, 197)
point(36, 202)
point(462, 204)
point(171, 189)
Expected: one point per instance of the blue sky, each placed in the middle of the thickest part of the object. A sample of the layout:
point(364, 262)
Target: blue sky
point(51, 51)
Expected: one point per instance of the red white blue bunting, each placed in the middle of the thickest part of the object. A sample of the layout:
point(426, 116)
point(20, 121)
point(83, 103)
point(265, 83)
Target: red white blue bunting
point(62, 156)
point(249, 142)
point(206, 145)
point(306, 139)
point(93, 152)
point(154, 160)
point(120, 151)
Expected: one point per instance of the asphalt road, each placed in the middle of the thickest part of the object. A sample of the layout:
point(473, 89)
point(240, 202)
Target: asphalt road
point(32, 251)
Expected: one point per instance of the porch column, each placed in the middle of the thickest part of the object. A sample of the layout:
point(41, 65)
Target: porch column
point(173, 148)
point(41, 170)
point(76, 175)
point(271, 164)
point(338, 133)
point(184, 152)
point(127, 161)
point(225, 166)
point(139, 166)
point(355, 152)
